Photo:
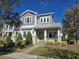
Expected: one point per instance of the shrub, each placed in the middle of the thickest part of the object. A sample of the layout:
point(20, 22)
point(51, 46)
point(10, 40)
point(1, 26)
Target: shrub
point(1, 42)
point(49, 43)
point(29, 38)
point(18, 36)
point(9, 42)
point(11, 49)
point(19, 41)
point(53, 43)
point(63, 43)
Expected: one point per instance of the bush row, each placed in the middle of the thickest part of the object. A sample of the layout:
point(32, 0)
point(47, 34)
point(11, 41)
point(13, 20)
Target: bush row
point(62, 43)
point(9, 45)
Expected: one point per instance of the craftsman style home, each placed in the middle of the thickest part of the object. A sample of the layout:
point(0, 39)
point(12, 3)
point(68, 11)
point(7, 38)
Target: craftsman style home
point(42, 27)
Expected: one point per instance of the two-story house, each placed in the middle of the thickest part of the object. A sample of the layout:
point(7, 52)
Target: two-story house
point(42, 27)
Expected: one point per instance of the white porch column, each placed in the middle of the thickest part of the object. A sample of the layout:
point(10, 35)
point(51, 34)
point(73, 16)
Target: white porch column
point(45, 35)
point(8, 27)
point(59, 35)
point(3, 34)
point(13, 27)
point(34, 37)
point(7, 33)
point(22, 33)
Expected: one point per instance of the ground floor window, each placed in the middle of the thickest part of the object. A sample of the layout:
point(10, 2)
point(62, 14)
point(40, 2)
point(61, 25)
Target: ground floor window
point(52, 35)
point(10, 33)
point(40, 35)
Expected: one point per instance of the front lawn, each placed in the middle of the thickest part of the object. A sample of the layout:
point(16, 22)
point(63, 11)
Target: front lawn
point(2, 57)
point(55, 53)
point(25, 48)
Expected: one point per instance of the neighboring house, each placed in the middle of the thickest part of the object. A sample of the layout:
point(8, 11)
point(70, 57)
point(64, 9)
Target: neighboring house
point(42, 27)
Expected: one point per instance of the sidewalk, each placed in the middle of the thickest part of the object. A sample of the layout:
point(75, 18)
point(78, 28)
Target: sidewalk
point(25, 56)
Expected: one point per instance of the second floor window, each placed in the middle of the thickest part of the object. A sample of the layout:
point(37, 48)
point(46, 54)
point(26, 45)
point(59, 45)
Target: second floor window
point(44, 20)
point(29, 19)
point(41, 20)
point(47, 19)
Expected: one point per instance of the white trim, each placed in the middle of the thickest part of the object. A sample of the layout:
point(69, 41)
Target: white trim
point(28, 11)
point(46, 13)
point(27, 26)
point(35, 20)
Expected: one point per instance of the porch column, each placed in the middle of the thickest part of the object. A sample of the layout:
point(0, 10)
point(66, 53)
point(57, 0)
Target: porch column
point(34, 37)
point(45, 35)
point(3, 34)
point(59, 35)
point(8, 27)
point(7, 33)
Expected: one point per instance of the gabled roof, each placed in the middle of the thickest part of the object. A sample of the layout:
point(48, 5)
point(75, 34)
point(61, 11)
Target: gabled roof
point(28, 11)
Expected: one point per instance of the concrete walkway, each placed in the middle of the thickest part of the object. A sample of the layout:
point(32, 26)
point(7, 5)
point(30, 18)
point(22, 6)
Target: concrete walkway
point(30, 49)
point(25, 56)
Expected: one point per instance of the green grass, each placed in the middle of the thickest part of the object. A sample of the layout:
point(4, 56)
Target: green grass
point(2, 57)
point(55, 53)
point(26, 47)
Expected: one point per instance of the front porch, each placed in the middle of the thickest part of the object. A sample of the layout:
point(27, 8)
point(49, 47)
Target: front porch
point(44, 35)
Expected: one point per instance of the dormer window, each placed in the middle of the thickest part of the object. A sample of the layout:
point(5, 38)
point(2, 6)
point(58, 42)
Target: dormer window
point(44, 19)
point(41, 20)
point(29, 19)
point(47, 19)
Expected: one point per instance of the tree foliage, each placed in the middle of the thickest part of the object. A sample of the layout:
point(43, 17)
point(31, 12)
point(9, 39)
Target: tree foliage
point(9, 43)
point(71, 23)
point(8, 5)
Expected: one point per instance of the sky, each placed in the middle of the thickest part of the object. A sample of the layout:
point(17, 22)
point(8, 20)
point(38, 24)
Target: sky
point(46, 6)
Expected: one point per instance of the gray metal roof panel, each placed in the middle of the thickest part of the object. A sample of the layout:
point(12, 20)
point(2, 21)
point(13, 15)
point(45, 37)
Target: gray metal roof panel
point(54, 25)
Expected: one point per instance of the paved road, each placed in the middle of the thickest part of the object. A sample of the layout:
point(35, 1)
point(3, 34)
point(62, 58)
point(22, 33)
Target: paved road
point(25, 56)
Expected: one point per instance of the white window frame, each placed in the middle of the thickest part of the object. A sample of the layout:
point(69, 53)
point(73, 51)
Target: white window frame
point(41, 19)
point(47, 19)
point(30, 19)
point(52, 35)
point(44, 18)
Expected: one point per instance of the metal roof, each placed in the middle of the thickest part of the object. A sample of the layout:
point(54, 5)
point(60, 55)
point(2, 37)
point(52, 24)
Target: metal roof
point(53, 25)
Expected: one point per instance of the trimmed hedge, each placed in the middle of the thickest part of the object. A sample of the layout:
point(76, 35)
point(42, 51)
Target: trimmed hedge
point(62, 43)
